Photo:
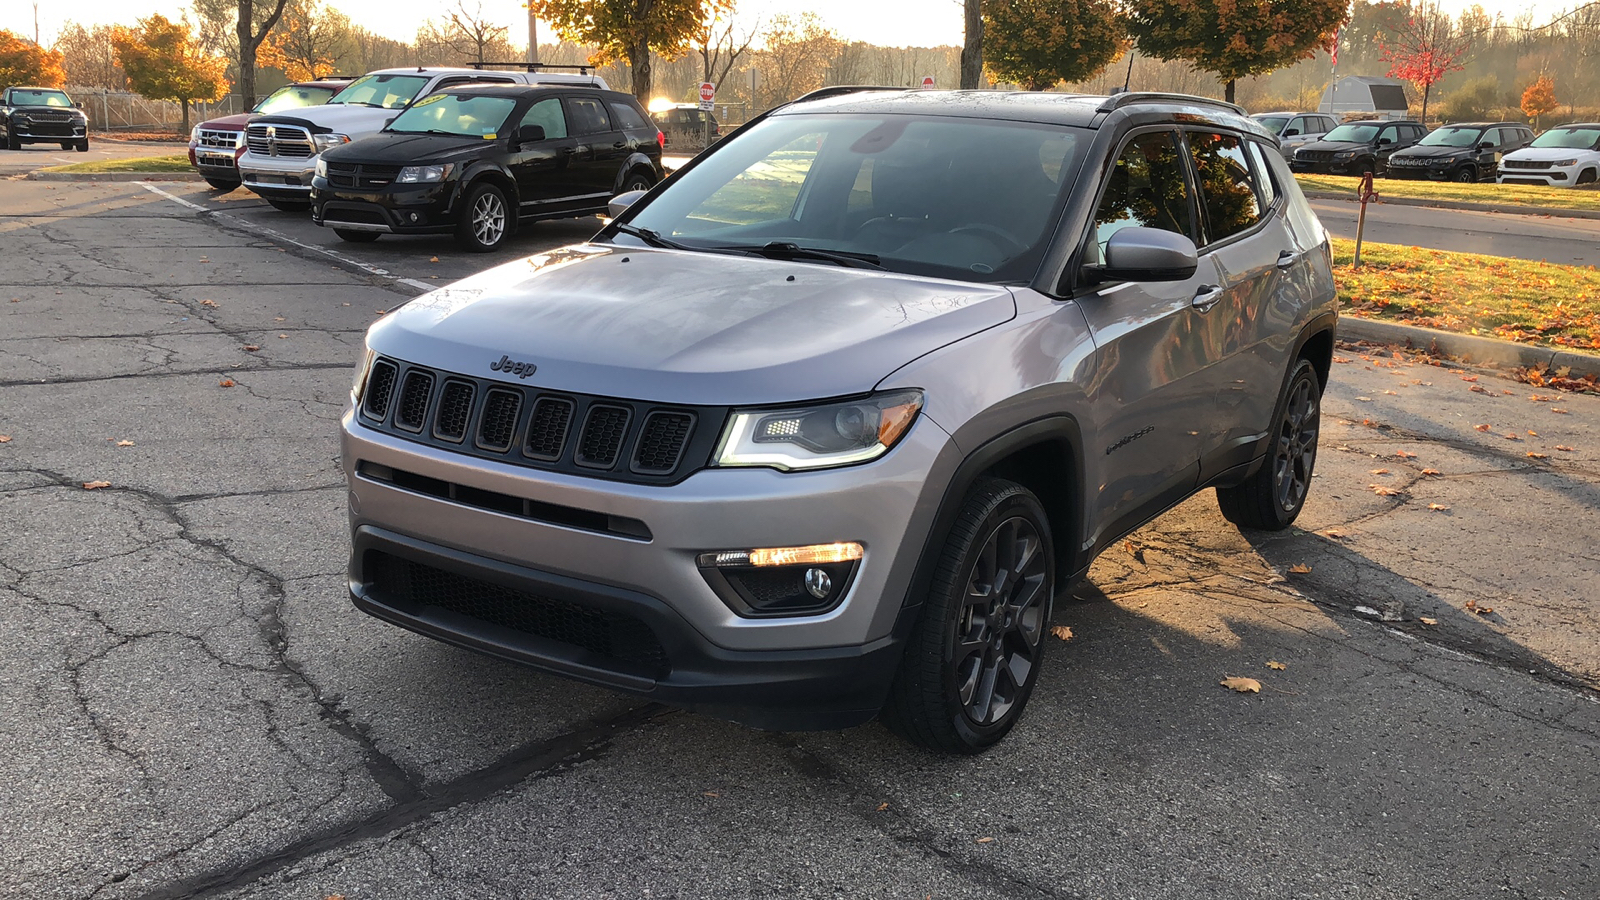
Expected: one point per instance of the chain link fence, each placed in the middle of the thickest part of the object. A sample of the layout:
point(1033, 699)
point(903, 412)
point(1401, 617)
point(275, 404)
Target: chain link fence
point(121, 111)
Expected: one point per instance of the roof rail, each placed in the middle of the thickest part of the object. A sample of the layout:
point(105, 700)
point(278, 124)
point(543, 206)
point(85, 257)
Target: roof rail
point(1118, 101)
point(840, 89)
point(528, 66)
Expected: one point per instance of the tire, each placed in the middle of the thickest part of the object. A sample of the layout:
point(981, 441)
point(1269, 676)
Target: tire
point(957, 690)
point(1272, 498)
point(357, 237)
point(1587, 176)
point(1466, 175)
point(12, 143)
point(222, 185)
point(485, 219)
point(83, 146)
point(637, 180)
point(66, 145)
point(289, 205)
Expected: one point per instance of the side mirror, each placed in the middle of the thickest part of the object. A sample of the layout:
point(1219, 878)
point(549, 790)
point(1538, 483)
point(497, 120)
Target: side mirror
point(1291, 132)
point(1486, 145)
point(530, 134)
point(1384, 142)
point(1146, 254)
point(389, 121)
point(620, 203)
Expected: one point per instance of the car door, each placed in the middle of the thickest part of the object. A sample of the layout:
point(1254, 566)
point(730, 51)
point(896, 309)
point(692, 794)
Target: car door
point(544, 170)
point(1246, 238)
point(595, 161)
point(1150, 392)
point(1384, 146)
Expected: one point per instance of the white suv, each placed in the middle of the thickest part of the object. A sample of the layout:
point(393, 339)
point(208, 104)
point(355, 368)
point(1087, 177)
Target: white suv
point(1296, 129)
point(1561, 157)
point(281, 151)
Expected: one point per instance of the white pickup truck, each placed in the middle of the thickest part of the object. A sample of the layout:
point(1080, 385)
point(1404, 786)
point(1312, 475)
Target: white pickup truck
point(281, 150)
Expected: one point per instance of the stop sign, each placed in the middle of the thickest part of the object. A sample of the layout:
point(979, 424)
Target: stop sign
point(927, 82)
point(708, 92)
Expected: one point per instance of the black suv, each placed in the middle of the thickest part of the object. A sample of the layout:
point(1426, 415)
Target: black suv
point(1355, 148)
point(40, 115)
point(475, 160)
point(1467, 151)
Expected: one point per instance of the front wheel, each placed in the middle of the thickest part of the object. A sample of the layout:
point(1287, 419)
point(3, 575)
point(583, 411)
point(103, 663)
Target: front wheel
point(1272, 498)
point(83, 146)
point(485, 219)
point(12, 143)
point(356, 237)
point(222, 185)
point(289, 205)
point(66, 145)
point(1587, 176)
point(1467, 176)
point(971, 664)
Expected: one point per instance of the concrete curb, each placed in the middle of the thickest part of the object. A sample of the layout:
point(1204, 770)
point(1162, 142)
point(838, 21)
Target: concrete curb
point(1467, 347)
point(1505, 208)
point(112, 176)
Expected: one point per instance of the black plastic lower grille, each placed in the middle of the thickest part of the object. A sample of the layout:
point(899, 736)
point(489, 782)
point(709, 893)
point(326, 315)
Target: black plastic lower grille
point(623, 640)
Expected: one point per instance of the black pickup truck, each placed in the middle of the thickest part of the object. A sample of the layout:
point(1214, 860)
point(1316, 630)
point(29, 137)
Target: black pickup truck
point(38, 115)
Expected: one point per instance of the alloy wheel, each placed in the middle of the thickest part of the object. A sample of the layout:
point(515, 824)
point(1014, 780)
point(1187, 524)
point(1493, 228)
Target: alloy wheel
point(488, 219)
point(1297, 445)
point(1001, 622)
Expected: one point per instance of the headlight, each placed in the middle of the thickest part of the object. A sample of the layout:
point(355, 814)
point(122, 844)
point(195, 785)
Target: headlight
point(238, 140)
point(815, 437)
point(422, 174)
point(325, 141)
point(1346, 154)
point(363, 369)
point(322, 168)
point(22, 118)
point(194, 135)
point(1562, 163)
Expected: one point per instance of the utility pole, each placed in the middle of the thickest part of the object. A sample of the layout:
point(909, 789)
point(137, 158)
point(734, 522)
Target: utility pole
point(36, 24)
point(533, 36)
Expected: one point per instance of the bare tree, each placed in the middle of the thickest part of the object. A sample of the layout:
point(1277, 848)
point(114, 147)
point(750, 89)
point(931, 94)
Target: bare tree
point(795, 59)
point(466, 35)
point(720, 46)
point(89, 58)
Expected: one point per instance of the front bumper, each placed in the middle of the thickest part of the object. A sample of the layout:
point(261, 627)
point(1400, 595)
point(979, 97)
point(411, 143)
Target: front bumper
point(277, 177)
point(212, 162)
point(48, 132)
point(1566, 176)
point(825, 670)
point(396, 209)
point(1333, 167)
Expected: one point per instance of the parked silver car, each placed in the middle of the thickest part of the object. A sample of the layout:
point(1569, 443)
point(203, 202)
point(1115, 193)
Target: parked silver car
point(1296, 129)
point(818, 428)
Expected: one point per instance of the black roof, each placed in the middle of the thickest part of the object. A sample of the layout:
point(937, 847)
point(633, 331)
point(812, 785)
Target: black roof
point(1381, 122)
point(513, 91)
point(1481, 125)
point(1080, 110)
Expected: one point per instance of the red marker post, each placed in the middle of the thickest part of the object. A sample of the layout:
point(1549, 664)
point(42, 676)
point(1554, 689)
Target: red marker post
point(1367, 193)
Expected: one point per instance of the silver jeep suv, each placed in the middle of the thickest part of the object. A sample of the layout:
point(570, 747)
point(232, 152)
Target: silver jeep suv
point(815, 430)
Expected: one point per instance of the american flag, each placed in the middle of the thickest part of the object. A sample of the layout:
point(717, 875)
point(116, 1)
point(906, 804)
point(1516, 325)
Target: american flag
point(1335, 52)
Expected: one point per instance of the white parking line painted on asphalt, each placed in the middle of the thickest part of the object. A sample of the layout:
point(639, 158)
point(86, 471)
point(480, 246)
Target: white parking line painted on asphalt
point(283, 238)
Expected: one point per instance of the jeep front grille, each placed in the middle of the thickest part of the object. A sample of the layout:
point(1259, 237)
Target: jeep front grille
point(1525, 164)
point(1313, 155)
point(519, 425)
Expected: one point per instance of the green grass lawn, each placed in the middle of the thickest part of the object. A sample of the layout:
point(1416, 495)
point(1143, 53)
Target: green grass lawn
point(140, 164)
point(1513, 194)
point(1512, 299)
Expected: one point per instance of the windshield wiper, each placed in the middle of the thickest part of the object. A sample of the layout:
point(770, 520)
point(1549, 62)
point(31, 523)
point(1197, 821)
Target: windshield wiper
point(788, 250)
point(650, 236)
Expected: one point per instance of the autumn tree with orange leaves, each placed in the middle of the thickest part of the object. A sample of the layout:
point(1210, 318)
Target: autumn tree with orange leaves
point(164, 62)
point(1426, 47)
point(1539, 98)
point(1235, 39)
point(24, 62)
point(1039, 43)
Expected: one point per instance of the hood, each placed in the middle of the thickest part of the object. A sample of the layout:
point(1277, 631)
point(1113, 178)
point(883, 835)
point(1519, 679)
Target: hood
point(408, 149)
point(1420, 152)
point(1547, 154)
point(1335, 146)
point(235, 122)
point(343, 118)
point(41, 108)
point(684, 327)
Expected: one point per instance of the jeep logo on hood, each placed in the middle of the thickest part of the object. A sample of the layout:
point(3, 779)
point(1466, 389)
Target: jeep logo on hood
point(511, 367)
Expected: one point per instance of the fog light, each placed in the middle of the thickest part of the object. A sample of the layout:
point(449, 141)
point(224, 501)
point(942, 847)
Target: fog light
point(818, 584)
point(782, 581)
point(414, 217)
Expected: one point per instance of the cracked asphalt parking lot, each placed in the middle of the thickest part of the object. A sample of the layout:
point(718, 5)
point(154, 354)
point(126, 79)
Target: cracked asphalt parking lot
point(192, 708)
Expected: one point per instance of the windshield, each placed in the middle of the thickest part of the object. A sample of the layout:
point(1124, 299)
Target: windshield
point(1569, 138)
point(31, 97)
point(467, 115)
point(386, 91)
point(968, 199)
point(293, 97)
point(1452, 137)
point(1356, 134)
point(1273, 124)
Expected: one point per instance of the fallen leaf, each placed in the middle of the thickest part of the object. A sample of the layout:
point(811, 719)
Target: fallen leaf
point(278, 319)
point(433, 259)
point(1482, 427)
point(1392, 393)
point(226, 382)
point(1341, 359)
point(882, 807)
point(283, 335)
point(1405, 454)
point(1128, 546)
point(711, 794)
point(124, 443)
point(1335, 533)
point(252, 347)
point(5, 438)
point(1477, 389)
point(1299, 569)
point(1380, 471)
point(1473, 607)
point(1437, 507)
point(1382, 491)
point(1512, 436)
point(1532, 433)
point(1365, 399)
point(1540, 398)
point(1469, 378)
point(986, 840)
point(1242, 685)
point(1562, 447)
point(1061, 631)
point(208, 303)
point(1434, 472)
point(95, 485)
point(1274, 664)
point(1556, 410)
point(1427, 621)
point(1533, 455)
point(331, 896)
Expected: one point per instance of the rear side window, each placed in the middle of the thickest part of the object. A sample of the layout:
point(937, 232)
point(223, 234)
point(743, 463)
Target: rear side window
point(626, 117)
point(547, 115)
point(587, 115)
point(1263, 174)
point(1147, 188)
point(1227, 191)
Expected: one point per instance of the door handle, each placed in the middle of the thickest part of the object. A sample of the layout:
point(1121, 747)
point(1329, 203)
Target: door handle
point(1287, 259)
point(1208, 296)
point(619, 145)
point(568, 151)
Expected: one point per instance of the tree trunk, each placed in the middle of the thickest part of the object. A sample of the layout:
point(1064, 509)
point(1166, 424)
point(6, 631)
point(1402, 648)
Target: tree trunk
point(1227, 89)
point(639, 62)
point(185, 126)
point(1424, 119)
point(972, 48)
point(247, 54)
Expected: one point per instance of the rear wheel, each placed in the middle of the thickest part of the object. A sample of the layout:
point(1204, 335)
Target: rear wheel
point(1272, 497)
point(222, 184)
point(356, 237)
point(485, 219)
point(289, 205)
point(637, 180)
point(974, 657)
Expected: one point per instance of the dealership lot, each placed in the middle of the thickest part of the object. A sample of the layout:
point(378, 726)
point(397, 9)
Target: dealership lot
point(195, 709)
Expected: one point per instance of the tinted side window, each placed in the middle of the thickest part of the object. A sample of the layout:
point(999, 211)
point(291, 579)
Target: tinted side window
point(1262, 175)
point(547, 115)
point(626, 118)
point(587, 115)
point(1147, 188)
point(1227, 192)
point(1298, 125)
point(1390, 134)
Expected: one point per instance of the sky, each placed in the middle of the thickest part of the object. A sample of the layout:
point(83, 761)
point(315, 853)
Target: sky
point(898, 23)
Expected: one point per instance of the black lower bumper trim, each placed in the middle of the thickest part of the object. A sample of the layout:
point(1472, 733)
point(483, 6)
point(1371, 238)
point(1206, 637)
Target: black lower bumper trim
point(785, 690)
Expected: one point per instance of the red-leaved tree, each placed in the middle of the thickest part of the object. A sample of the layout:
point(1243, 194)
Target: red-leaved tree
point(1426, 47)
